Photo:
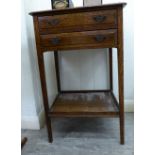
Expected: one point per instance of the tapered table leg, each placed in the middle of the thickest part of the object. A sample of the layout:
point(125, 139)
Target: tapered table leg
point(40, 57)
point(121, 92)
point(44, 92)
point(121, 73)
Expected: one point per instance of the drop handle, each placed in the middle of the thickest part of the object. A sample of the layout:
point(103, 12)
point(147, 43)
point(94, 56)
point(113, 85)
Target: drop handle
point(100, 38)
point(53, 22)
point(55, 41)
point(99, 18)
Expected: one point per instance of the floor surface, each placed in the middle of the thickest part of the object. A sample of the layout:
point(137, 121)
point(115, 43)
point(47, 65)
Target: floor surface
point(82, 136)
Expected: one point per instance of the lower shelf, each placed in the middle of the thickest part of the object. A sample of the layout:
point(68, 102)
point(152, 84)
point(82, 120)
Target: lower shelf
point(85, 105)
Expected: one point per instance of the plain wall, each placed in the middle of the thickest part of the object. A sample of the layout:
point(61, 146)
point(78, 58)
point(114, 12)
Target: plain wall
point(28, 100)
point(31, 88)
point(87, 69)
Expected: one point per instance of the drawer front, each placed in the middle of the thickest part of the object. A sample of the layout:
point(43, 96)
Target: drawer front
point(80, 40)
point(78, 22)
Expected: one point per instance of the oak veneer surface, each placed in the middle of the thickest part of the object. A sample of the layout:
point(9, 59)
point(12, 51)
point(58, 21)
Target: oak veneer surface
point(101, 103)
point(78, 21)
point(77, 9)
point(77, 28)
point(81, 28)
point(98, 38)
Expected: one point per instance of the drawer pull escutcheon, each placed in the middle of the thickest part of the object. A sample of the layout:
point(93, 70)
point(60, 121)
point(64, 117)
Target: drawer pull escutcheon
point(55, 41)
point(99, 18)
point(100, 38)
point(53, 22)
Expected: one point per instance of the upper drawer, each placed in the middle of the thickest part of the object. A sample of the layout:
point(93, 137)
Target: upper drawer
point(105, 19)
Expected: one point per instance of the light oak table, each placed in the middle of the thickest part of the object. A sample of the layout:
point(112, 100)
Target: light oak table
point(81, 28)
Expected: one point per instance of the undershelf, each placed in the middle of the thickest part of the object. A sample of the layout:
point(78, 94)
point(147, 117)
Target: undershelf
point(91, 104)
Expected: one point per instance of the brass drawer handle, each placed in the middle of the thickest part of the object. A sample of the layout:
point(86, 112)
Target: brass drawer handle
point(53, 22)
point(100, 38)
point(99, 18)
point(55, 41)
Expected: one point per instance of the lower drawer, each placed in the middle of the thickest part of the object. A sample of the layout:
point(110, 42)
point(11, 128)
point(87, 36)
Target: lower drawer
point(92, 39)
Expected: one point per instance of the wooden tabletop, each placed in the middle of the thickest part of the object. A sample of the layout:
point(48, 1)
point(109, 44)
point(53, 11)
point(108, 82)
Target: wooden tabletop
point(76, 9)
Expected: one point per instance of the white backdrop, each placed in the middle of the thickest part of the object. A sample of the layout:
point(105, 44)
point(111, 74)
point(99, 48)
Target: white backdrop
point(84, 70)
point(79, 70)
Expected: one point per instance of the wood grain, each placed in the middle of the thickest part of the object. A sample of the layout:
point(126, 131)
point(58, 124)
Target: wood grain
point(107, 38)
point(120, 55)
point(85, 104)
point(42, 78)
point(56, 58)
point(81, 28)
point(95, 20)
point(77, 9)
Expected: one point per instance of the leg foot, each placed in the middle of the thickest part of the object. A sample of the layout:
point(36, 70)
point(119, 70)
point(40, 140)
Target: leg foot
point(122, 141)
point(49, 130)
